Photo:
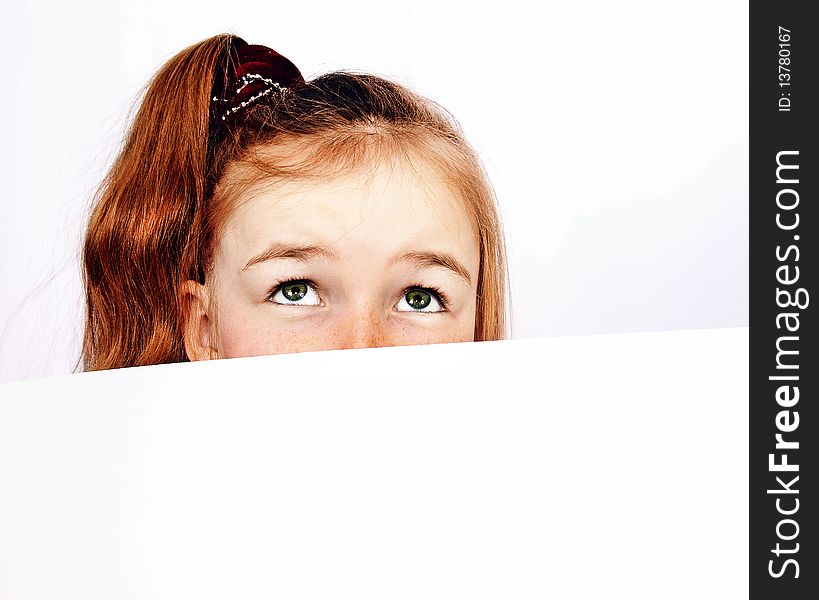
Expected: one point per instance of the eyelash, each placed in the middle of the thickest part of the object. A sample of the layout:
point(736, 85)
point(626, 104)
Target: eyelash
point(439, 294)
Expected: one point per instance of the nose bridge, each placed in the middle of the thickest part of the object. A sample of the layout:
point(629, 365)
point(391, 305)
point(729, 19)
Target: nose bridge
point(365, 326)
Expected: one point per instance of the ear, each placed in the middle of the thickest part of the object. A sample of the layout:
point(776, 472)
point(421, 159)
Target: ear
point(197, 325)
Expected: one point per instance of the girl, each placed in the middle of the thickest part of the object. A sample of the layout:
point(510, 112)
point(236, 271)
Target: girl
point(253, 212)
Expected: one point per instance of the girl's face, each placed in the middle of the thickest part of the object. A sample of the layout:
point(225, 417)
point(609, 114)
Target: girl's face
point(382, 257)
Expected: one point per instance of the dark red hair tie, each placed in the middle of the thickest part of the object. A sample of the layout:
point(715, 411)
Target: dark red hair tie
point(252, 72)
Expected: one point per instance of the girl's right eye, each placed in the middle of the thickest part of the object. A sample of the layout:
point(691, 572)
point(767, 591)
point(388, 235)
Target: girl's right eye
point(295, 293)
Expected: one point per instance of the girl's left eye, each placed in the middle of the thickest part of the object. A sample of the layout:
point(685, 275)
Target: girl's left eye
point(296, 293)
point(419, 299)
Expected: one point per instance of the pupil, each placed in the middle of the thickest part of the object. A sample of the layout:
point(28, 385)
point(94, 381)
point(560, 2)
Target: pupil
point(418, 299)
point(295, 291)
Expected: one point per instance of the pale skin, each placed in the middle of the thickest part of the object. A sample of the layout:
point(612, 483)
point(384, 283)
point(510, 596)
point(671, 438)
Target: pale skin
point(386, 256)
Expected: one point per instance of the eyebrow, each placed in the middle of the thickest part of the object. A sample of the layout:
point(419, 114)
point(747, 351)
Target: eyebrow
point(279, 250)
point(422, 259)
point(428, 259)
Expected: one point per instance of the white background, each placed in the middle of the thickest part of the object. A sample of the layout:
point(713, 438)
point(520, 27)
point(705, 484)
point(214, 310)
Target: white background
point(615, 133)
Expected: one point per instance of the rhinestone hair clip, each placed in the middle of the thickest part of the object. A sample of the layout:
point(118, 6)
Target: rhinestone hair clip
point(248, 73)
point(245, 80)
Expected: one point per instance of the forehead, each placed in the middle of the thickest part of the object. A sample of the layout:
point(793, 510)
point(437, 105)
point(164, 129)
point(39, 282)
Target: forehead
point(379, 210)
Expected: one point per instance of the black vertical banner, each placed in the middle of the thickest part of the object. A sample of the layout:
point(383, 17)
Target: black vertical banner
point(784, 370)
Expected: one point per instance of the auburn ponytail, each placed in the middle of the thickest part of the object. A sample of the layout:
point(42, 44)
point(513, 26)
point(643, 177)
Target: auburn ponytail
point(143, 217)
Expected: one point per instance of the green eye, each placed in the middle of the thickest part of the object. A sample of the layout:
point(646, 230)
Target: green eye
point(421, 300)
point(295, 291)
point(418, 299)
